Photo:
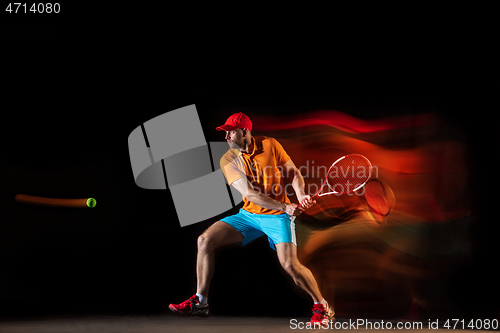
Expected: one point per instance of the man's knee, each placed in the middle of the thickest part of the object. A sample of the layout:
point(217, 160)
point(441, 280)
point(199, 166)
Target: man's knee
point(217, 235)
point(205, 242)
point(292, 267)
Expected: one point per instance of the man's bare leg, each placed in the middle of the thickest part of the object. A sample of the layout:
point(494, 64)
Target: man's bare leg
point(287, 254)
point(218, 234)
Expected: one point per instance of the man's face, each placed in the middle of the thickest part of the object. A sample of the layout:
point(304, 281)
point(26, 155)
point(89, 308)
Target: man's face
point(235, 139)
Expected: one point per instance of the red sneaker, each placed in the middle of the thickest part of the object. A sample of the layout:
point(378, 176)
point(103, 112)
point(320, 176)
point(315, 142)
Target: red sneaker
point(320, 316)
point(190, 307)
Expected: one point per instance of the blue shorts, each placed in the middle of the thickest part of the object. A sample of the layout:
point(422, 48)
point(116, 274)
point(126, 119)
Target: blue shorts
point(278, 228)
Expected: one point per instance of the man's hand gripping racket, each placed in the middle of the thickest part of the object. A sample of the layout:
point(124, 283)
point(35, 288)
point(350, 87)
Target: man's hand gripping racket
point(346, 175)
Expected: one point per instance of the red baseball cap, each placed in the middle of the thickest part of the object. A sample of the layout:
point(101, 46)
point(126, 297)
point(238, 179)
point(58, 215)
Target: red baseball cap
point(237, 120)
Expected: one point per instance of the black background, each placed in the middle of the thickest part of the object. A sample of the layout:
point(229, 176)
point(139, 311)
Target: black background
point(75, 86)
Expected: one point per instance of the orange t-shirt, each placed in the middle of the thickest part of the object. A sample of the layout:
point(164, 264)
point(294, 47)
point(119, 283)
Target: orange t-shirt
point(263, 169)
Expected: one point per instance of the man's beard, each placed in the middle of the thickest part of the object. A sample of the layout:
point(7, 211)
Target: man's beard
point(234, 145)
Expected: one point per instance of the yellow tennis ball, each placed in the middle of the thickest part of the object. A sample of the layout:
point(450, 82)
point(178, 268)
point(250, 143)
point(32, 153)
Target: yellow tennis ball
point(91, 202)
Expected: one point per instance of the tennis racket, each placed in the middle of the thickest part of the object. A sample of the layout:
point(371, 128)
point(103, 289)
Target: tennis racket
point(346, 175)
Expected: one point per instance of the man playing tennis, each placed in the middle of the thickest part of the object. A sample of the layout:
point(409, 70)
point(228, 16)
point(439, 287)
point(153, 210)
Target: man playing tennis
point(252, 165)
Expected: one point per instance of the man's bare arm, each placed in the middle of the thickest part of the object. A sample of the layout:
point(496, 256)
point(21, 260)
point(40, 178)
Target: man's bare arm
point(298, 184)
point(247, 190)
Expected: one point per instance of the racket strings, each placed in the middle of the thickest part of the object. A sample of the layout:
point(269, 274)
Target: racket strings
point(348, 174)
